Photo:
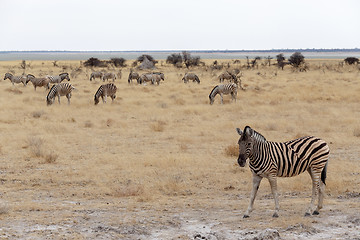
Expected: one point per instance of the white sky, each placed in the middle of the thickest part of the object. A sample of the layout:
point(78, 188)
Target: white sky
point(178, 25)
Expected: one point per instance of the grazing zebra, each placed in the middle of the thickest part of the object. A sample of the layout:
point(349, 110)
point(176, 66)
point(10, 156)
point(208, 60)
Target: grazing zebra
point(61, 89)
point(133, 75)
point(229, 88)
point(156, 78)
point(162, 76)
point(96, 75)
point(108, 76)
point(38, 82)
point(16, 79)
point(58, 79)
point(104, 91)
point(191, 76)
point(287, 159)
point(228, 76)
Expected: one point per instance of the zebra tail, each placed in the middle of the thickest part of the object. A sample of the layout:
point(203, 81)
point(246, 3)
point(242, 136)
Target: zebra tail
point(323, 173)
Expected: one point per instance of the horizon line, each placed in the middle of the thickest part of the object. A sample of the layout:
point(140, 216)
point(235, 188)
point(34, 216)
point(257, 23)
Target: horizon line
point(218, 50)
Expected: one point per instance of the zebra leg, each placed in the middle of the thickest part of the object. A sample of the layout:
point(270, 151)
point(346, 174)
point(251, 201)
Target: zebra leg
point(315, 190)
point(59, 98)
point(256, 183)
point(221, 95)
point(321, 198)
point(104, 99)
point(273, 185)
point(68, 97)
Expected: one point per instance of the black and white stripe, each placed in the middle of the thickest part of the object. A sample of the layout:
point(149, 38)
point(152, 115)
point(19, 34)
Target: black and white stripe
point(61, 89)
point(16, 79)
point(58, 79)
point(284, 159)
point(230, 88)
point(108, 76)
point(104, 91)
point(191, 76)
point(38, 82)
point(96, 75)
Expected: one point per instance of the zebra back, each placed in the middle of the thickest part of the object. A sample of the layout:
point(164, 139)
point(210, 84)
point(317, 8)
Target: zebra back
point(60, 89)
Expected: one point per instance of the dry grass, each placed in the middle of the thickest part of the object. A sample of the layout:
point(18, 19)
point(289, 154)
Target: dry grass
point(166, 145)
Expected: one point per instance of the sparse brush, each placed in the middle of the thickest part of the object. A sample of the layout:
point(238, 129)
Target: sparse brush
point(51, 157)
point(36, 146)
point(356, 132)
point(37, 114)
point(232, 150)
point(158, 126)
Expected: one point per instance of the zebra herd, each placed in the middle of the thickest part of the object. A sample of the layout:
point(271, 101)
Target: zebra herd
point(266, 159)
point(153, 78)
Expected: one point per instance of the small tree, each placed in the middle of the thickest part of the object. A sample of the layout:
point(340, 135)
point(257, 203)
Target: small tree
point(118, 62)
point(351, 60)
point(92, 62)
point(296, 59)
point(280, 61)
point(174, 59)
point(189, 60)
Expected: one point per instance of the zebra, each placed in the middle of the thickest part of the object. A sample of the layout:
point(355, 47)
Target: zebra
point(228, 76)
point(190, 76)
point(156, 78)
point(229, 88)
point(162, 76)
point(287, 159)
point(145, 77)
point(108, 76)
point(133, 75)
point(96, 75)
point(58, 79)
point(38, 82)
point(16, 79)
point(61, 89)
point(104, 91)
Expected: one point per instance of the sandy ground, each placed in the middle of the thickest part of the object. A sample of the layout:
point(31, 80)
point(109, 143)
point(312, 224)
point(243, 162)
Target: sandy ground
point(160, 162)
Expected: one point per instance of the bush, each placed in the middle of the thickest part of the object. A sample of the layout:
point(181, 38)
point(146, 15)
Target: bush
point(118, 62)
point(94, 62)
point(351, 60)
point(174, 59)
point(296, 59)
point(190, 61)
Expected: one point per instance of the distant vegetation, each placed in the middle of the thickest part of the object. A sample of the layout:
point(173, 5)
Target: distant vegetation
point(95, 62)
point(177, 59)
point(351, 60)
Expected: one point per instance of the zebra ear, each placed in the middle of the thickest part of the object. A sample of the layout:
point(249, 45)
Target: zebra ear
point(248, 131)
point(239, 131)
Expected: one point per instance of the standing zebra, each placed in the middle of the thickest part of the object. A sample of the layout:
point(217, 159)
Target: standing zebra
point(230, 88)
point(104, 91)
point(108, 76)
point(96, 75)
point(58, 79)
point(61, 89)
point(287, 159)
point(16, 79)
point(39, 82)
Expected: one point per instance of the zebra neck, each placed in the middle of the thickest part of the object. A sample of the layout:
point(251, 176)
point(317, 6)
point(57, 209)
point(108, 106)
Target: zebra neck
point(257, 154)
point(214, 92)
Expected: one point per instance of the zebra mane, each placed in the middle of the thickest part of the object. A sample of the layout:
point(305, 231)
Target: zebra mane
point(256, 135)
point(63, 74)
point(213, 90)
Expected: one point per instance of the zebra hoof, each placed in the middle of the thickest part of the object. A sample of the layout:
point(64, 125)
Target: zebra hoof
point(316, 212)
point(246, 216)
point(307, 214)
point(275, 215)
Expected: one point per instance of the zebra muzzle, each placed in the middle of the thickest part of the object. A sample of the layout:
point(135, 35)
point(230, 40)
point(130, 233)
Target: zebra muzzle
point(241, 160)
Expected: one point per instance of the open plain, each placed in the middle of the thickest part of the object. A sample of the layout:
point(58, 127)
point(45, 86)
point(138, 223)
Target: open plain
point(160, 162)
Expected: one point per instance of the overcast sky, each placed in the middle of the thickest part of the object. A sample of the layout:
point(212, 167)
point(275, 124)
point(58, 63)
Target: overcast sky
point(178, 25)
